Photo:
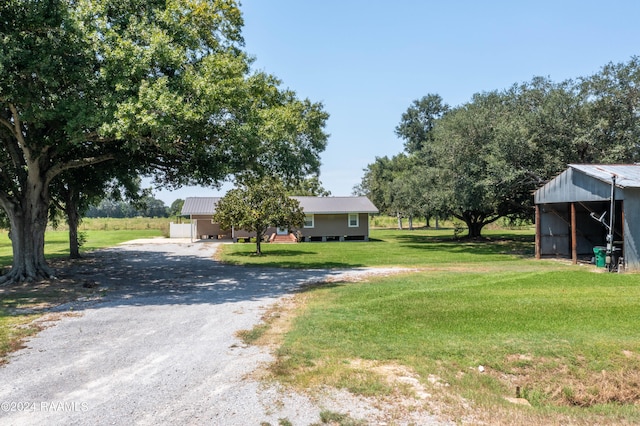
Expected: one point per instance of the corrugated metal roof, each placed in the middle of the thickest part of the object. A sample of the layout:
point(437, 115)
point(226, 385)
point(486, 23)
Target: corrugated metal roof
point(589, 182)
point(199, 205)
point(336, 205)
point(627, 175)
point(310, 205)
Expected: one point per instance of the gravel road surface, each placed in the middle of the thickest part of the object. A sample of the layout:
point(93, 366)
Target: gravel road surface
point(159, 347)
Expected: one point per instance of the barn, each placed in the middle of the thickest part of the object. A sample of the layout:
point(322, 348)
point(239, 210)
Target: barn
point(574, 220)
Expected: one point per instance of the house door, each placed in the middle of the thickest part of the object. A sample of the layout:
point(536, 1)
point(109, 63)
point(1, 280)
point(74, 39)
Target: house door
point(282, 231)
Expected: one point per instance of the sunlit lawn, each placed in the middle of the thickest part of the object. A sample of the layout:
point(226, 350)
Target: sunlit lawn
point(562, 336)
point(567, 340)
point(57, 242)
point(418, 248)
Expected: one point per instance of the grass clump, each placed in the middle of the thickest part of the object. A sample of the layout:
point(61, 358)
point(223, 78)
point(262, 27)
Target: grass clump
point(331, 417)
point(14, 329)
point(251, 336)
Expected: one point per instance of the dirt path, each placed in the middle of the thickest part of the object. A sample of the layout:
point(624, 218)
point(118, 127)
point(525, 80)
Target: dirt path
point(159, 347)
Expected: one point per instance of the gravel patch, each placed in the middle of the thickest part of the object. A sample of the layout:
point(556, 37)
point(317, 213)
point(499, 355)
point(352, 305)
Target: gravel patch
point(159, 347)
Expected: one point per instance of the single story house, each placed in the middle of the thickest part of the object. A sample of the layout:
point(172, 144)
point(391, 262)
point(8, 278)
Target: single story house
point(573, 213)
point(326, 219)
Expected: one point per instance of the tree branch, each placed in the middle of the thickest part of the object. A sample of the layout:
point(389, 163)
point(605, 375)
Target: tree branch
point(16, 131)
point(74, 164)
point(6, 123)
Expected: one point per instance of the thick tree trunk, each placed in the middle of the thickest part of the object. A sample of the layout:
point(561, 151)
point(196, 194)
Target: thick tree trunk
point(28, 224)
point(399, 220)
point(73, 220)
point(474, 222)
point(410, 223)
point(475, 229)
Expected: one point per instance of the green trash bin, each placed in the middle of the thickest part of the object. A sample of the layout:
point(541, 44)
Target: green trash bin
point(601, 256)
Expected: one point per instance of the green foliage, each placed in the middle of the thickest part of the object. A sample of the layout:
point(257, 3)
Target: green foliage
point(82, 239)
point(480, 161)
point(176, 207)
point(145, 207)
point(418, 122)
point(258, 205)
point(309, 186)
point(115, 89)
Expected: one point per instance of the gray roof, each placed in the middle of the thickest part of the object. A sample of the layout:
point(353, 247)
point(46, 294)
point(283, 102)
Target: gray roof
point(627, 175)
point(310, 205)
point(336, 205)
point(199, 205)
point(589, 182)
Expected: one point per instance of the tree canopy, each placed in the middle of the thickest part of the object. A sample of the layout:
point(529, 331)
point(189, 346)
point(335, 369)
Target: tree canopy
point(258, 205)
point(481, 161)
point(161, 86)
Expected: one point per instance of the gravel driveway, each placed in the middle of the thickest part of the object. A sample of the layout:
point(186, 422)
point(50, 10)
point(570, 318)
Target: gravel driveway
point(159, 347)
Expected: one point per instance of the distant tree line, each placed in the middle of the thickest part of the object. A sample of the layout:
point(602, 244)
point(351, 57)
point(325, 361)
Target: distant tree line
point(146, 207)
point(481, 161)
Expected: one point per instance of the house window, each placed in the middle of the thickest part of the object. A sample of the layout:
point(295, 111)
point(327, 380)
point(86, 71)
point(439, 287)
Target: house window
point(354, 221)
point(308, 221)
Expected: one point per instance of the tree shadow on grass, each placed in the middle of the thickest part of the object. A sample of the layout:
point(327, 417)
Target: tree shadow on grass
point(131, 276)
point(285, 259)
point(506, 244)
point(288, 258)
point(279, 253)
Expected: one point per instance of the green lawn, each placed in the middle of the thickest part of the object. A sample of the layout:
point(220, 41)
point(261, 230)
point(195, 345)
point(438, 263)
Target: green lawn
point(57, 242)
point(564, 337)
point(418, 248)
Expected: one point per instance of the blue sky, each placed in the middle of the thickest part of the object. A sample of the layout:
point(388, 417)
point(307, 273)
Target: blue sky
point(366, 61)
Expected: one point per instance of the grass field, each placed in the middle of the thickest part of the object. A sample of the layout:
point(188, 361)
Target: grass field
point(418, 248)
point(474, 321)
point(563, 337)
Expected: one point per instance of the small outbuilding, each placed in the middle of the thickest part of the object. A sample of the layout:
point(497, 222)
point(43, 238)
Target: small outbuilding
point(573, 213)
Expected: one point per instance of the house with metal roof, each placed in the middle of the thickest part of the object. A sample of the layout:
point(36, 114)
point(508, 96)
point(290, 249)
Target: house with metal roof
point(588, 210)
point(326, 219)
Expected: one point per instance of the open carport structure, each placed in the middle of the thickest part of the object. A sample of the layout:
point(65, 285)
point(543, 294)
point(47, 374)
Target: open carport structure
point(573, 213)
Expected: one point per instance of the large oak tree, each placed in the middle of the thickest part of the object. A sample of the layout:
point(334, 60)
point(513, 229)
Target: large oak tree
point(161, 84)
point(481, 161)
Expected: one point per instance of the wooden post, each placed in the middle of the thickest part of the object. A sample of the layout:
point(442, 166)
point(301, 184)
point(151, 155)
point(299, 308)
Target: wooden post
point(574, 235)
point(538, 229)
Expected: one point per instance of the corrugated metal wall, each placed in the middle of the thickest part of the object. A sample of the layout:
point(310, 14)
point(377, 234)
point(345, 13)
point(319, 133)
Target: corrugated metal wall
point(573, 186)
point(631, 226)
point(589, 194)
